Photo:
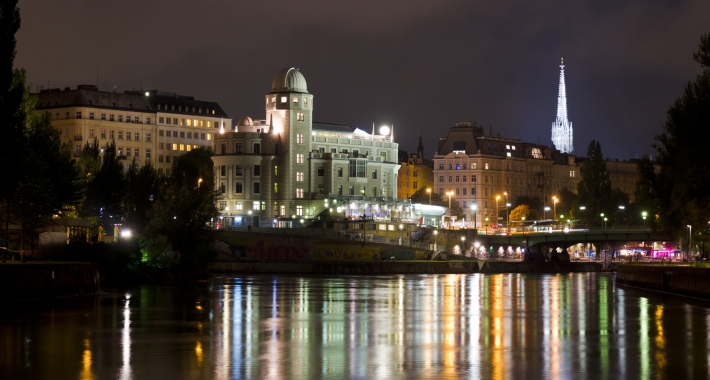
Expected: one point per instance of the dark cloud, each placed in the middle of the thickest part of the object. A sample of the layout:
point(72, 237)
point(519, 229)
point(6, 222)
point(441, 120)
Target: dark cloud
point(417, 64)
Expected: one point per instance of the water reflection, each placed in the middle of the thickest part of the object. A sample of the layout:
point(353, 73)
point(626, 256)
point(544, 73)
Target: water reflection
point(452, 326)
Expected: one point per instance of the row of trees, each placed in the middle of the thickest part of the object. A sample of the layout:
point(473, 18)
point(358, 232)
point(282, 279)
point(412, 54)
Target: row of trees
point(170, 215)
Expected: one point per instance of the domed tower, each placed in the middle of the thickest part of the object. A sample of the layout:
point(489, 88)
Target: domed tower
point(289, 111)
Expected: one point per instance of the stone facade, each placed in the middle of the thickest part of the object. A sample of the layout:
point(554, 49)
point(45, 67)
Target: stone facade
point(276, 171)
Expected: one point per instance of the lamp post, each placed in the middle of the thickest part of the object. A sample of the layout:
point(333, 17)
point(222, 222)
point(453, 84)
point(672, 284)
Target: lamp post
point(544, 212)
point(690, 241)
point(507, 217)
point(450, 193)
point(643, 215)
point(486, 225)
point(523, 225)
point(604, 229)
point(199, 182)
point(554, 206)
point(463, 246)
point(474, 208)
point(497, 210)
point(428, 190)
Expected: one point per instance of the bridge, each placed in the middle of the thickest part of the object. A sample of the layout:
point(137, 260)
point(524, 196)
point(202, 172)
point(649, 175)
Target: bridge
point(564, 239)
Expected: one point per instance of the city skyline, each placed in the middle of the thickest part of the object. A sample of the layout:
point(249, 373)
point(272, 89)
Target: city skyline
point(422, 69)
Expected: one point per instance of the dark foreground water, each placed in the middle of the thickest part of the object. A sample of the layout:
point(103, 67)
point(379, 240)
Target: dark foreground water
point(573, 326)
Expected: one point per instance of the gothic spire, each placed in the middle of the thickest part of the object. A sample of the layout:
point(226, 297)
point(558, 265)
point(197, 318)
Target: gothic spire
point(420, 146)
point(562, 127)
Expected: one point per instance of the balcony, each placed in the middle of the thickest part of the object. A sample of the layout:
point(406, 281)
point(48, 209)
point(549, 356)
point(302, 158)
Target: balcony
point(78, 138)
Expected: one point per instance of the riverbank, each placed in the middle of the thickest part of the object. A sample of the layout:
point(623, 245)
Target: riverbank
point(677, 279)
point(29, 281)
point(376, 267)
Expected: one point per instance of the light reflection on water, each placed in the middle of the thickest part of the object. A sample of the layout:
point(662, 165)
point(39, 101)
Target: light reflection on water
point(377, 327)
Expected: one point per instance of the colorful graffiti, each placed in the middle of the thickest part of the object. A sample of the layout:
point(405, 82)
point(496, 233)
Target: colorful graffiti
point(245, 246)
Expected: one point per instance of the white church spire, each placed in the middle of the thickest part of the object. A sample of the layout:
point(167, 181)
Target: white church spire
point(562, 127)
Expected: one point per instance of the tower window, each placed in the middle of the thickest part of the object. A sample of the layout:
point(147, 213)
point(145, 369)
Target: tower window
point(284, 99)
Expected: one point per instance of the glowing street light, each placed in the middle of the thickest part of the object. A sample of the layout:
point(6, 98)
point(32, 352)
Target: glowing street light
point(643, 215)
point(401, 227)
point(428, 190)
point(544, 212)
point(436, 234)
point(554, 206)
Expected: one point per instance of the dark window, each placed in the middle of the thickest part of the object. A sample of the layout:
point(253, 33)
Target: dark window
point(321, 171)
point(238, 188)
point(257, 170)
point(459, 145)
point(256, 188)
point(257, 148)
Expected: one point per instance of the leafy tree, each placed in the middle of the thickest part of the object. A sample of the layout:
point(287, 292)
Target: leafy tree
point(11, 111)
point(566, 205)
point(421, 196)
point(645, 193)
point(523, 211)
point(594, 190)
point(184, 211)
point(681, 190)
point(533, 203)
point(143, 185)
point(106, 190)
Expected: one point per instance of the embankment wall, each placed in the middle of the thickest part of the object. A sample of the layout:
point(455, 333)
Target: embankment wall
point(676, 279)
point(48, 280)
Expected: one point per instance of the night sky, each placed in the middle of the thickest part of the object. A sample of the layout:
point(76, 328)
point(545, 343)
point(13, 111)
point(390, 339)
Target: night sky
point(417, 64)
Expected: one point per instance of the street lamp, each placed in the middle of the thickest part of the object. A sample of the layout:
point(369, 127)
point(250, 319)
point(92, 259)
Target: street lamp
point(604, 229)
point(450, 193)
point(643, 215)
point(523, 225)
point(199, 182)
point(544, 212)
point(428, 190)
point(400, 233)
point(507, 218)
point(436, 233)
point(474, 207)
point(554, 205)
point(486, 225)
point(497, 210)
point(463, 246)
point(690, 240)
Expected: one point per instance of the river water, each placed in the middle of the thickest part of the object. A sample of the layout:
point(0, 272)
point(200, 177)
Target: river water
point(567, 326)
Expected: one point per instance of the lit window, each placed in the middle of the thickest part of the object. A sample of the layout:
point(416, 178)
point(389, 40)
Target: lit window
point(295, 100)
point(299, 158)
point(255, 205)
point(240, 207)
point(189, 122)
point(507, 147)
point(284, 99)
point(486, 166)
point(175, 146)
point(299, 210)
point(276, 187)
point(299, 193)
point(508, 154)
point(299, 139)
point(299, 176)
point(305, 100)
point(209, 137)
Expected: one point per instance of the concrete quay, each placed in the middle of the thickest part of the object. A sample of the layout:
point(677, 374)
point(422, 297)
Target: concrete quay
point(678, 279)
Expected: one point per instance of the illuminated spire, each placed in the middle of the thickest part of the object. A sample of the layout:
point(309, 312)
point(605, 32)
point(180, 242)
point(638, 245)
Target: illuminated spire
point(562, 127)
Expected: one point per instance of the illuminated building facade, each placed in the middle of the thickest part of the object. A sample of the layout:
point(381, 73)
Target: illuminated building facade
point(146, 126)
point(415, 173)
point(475, 169)
point(287, 165)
